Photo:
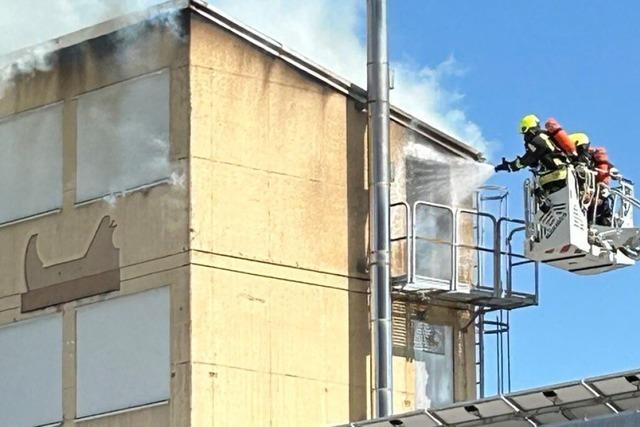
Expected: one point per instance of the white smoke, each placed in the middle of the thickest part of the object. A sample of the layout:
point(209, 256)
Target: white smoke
point(442, 178)
point(421, 92)
point(327, 31)
point(32, 60)
point(27, 23)
point(29, 26)
point(433, 176)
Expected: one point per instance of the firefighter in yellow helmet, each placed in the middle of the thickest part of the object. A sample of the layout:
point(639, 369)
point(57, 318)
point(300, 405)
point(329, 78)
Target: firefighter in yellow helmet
point(541, 154)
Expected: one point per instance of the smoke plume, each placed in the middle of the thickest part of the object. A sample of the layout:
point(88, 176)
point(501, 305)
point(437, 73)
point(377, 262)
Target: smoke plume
point(29, 26)
point(329, 32)
point(27, 23)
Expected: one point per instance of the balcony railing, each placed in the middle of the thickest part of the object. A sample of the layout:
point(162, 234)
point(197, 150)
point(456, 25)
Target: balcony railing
point(460, 255)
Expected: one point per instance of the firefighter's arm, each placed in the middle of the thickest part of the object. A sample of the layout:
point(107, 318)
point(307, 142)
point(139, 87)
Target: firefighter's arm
point(515, 165)
point(536, 149)
point(529, 158)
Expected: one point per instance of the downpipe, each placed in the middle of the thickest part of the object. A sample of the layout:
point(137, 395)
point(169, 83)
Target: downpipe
point(379, 205)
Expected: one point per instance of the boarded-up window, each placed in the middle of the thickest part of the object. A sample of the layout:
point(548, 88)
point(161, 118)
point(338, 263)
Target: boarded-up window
point(123, 136)
point(123, 352)
point(31, 372)
point(31, 163)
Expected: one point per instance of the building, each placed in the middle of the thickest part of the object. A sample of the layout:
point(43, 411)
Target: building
point(184, 236)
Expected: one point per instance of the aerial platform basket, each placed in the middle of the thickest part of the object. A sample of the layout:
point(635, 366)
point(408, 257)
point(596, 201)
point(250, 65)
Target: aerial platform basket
point(566, 235)
point(457, 255)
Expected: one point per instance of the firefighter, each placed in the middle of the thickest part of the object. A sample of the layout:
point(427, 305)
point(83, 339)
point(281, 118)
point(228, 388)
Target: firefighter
point(597, 161)
point(604, 172)
point(541, 154)
point(583, 151)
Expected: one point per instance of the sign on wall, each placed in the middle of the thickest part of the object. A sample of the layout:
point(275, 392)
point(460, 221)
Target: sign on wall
point(98, 271)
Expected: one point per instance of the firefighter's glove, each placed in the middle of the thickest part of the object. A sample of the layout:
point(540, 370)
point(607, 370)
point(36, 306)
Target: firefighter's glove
point(504, 166)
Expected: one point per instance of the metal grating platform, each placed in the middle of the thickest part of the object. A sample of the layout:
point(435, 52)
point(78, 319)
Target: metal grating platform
point(464, 293)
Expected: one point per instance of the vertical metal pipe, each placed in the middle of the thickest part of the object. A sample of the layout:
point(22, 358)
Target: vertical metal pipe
point(501, 336)
point(481, 353)
point(497, 326)
point(508, 352)
point(379, 203)
point(479, 237)
point(497, 259)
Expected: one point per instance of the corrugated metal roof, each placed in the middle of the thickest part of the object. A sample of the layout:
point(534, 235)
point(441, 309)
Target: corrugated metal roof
point(556, 404)
point(268, 45)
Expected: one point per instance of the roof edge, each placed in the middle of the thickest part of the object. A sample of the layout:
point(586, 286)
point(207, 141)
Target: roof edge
point(337, 82)
point(264, 42)
point(94, 31)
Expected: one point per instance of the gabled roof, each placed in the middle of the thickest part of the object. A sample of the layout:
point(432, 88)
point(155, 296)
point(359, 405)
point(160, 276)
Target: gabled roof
point(270, 46)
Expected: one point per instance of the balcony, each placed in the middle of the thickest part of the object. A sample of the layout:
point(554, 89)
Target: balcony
point(458, 255)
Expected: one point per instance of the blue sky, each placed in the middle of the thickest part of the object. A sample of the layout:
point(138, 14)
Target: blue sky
point(577, 61)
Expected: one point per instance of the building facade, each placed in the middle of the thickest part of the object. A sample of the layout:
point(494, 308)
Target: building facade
point(184, 237)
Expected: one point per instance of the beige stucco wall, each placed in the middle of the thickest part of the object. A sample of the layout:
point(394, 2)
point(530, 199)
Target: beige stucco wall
point(264, 249)
point(279, 302)
point(152, 224)
point(279, 298)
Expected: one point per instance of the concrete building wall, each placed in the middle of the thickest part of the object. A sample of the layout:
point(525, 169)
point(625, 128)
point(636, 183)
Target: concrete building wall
point(279, 298)
point(279, 302)
point(260, 234)
point(147, 228)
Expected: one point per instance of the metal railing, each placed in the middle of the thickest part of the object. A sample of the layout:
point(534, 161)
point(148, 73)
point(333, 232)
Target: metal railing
point(451, 242)
point(515, 259)
point(441, 230)
point(404, 237)
point(480, 248)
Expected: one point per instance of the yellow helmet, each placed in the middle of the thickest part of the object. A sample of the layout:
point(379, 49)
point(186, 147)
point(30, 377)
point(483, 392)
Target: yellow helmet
point(579, 138)
point(528, 122)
